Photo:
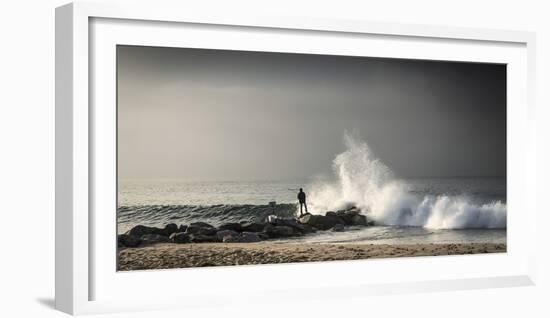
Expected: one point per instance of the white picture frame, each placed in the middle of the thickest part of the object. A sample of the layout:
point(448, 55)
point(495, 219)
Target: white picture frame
point(86, 278)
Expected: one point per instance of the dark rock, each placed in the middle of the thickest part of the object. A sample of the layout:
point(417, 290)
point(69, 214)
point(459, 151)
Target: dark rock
point(346, 217)
point(198, 229)
point(268, 227)
point(169, 229)
point(225, 233)
point(201, 224)
point(182, 228)
point(199, 238)
point(231, 239)
point(263, 236)
point(140, 230)
point(331, 213)
point(277, 231)
point(250, 237)
point(335, 217)
point(321, 222)
point(291, 223)
point(370, 223)
point(252, 227)
point(359, 220)
point(308, 229)
point(245, 237)
point(125, 240)
point(153, 239)
point(352, 210)
point(180, 237)
point(278, 221)
point(338, 228)
point(230, 226)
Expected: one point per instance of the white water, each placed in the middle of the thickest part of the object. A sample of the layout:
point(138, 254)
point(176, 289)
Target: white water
point(362, 180)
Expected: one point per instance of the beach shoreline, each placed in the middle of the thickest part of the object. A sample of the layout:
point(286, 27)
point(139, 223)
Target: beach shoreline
point(169, 255)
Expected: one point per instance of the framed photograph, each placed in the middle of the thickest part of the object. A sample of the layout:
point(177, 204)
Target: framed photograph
point(240, 155)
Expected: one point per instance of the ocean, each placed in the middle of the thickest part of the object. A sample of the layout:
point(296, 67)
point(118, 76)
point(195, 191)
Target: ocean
point(406, 211)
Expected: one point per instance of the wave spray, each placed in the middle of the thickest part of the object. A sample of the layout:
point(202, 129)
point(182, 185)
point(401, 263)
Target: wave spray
point(362, 180)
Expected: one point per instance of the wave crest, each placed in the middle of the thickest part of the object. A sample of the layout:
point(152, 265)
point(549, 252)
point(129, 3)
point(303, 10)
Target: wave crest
point(160, 215)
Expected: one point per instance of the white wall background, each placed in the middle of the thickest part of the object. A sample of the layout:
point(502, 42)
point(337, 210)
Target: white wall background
point(27, 157)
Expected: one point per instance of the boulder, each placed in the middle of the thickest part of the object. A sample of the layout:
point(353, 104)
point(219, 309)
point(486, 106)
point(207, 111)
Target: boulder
point(180, 237)
point(245, 237)
point(199, 229)
point(231, 239)
point(268, 227)
point(335, 218)
point(359, 220)
point(321, 222)
point(350, 212)
point(252, 227)
point(140, 230)
point(338, 228)
point(201, 224)
point(200, 238)
point(291, 223)
point(225, 233)
point(250, 237)
point(346, 217)
point(278, 231)
point(182, 228)
point(125, 240)
point(263, 236)
point(153, 239)
point(230, 226)
point(331, 213)
point(169, 229)
point(308, 229)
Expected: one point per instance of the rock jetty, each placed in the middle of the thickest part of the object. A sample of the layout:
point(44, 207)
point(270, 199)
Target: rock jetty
point(244, 232)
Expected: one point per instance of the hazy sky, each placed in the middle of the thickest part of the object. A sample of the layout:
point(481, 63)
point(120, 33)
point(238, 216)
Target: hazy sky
point(231, 115)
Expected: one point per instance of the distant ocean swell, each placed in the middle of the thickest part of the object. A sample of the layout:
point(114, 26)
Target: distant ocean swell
point(160, 215)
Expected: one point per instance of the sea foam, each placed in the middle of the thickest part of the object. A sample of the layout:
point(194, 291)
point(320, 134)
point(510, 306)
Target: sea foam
point(362, 180)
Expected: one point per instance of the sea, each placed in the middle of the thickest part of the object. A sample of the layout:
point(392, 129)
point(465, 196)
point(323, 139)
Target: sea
point(405, 211)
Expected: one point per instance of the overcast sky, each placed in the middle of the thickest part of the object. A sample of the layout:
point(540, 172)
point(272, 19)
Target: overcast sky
point(230, 115)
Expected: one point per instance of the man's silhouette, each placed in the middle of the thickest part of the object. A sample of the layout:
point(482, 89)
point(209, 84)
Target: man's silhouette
point(302, 199)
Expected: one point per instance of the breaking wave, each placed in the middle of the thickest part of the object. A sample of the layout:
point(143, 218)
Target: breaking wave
point(362, 180)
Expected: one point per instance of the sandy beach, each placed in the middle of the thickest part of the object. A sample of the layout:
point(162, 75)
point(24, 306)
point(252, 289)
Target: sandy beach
point(166, 255)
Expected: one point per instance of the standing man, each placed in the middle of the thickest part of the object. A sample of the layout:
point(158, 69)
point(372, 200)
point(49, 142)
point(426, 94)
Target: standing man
point(302, 199)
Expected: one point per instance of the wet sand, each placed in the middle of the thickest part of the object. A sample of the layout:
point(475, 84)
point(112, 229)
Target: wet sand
point(169, 255)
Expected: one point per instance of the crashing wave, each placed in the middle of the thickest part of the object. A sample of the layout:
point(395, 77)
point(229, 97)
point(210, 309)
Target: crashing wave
point(362, 180)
